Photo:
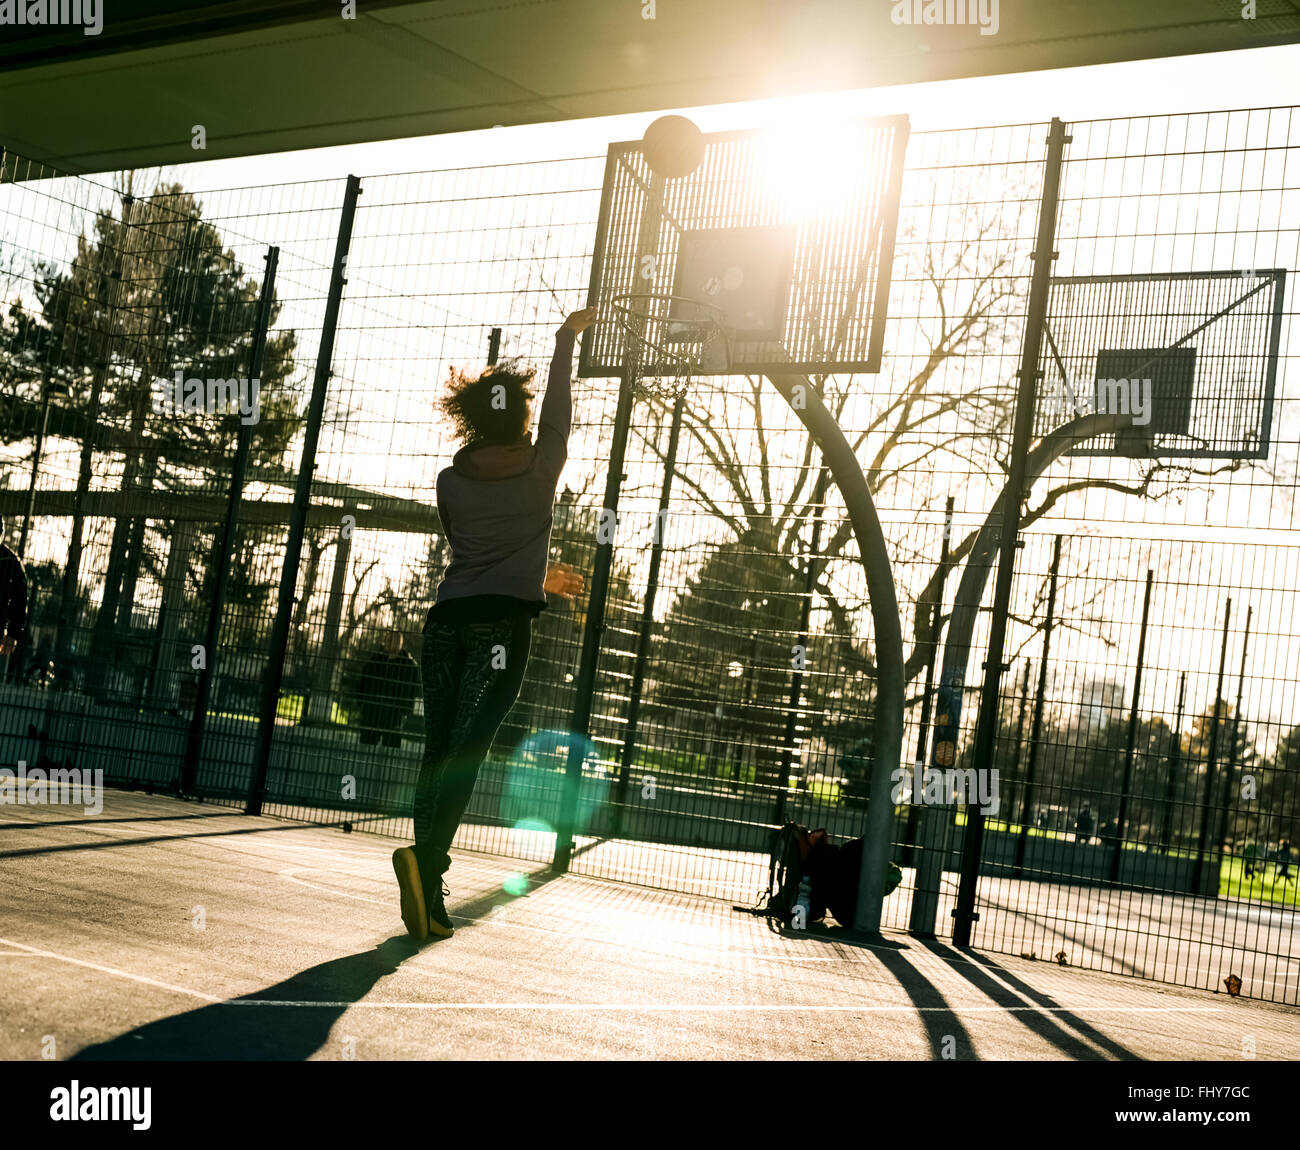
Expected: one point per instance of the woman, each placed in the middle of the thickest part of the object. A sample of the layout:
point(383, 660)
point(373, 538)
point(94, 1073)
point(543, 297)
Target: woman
point(495, 502)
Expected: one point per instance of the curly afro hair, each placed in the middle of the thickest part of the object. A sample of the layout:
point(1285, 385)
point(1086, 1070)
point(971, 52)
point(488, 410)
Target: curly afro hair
point(489, 408)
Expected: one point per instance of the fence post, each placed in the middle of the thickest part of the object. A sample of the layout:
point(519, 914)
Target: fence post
point(301, 503)
point(964, 915)
point(1121, 820)
point(1175, 756)
point(38, 449)
point(594, 629)
point(927, 695)
point(1036, 725)
point(585, 685)
point(226, 540)
point(72, 568)
point(795, 703)
point(159, 687)
point(1231, 759)
point(1199, 872)
point(325, 677)
point(1020, 734)
point(647, 617)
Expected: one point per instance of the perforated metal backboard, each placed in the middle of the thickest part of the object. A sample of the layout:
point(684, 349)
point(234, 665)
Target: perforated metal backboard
point(792, 239)
point(1192, 356)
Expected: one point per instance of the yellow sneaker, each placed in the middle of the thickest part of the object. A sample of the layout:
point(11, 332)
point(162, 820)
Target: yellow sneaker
point(415, 916)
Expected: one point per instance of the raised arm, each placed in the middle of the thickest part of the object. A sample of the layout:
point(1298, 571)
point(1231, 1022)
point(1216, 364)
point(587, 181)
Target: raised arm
point(556, 417)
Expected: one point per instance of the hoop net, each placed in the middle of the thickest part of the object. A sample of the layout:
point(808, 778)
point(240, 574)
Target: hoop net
point(668, 337)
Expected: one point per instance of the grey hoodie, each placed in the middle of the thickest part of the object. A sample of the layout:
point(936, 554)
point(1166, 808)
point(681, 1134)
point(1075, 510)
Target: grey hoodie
point(496, 502)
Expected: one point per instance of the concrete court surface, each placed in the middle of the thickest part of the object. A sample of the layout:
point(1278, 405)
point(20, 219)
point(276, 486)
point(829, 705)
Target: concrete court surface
point(168, 930)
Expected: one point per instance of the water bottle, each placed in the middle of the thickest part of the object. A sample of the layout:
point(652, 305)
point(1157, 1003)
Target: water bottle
point(802, 906)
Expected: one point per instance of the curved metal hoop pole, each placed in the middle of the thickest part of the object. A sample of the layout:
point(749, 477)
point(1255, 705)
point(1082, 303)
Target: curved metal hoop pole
point(844, 468)
point(935, 828)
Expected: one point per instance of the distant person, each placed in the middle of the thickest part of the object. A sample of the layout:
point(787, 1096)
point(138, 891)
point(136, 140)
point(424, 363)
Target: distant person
point(390, 681)
point(39, 671)
point(1283, 859)
point(1249, 859)
point(13, 600)
point(496, 504)
point(1083, 825)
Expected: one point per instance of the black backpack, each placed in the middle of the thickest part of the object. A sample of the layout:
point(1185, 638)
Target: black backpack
point(784, 871)
point(797, 853)
point(833, 873)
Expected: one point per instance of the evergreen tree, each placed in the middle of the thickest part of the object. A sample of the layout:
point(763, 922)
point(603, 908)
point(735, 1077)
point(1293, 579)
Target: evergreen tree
point(152, 292)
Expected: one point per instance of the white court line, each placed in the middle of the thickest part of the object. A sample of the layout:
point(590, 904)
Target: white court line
point(615, 1007)
point(240, 836)
point(500, 920)
point(724, 1008)
point(292, 876)
point(38, 953)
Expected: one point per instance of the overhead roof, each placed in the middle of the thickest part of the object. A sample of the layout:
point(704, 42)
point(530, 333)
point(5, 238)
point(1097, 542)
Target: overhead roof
point(275, 75)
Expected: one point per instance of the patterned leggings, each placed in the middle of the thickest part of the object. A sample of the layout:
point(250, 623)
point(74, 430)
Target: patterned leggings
point(472, 674)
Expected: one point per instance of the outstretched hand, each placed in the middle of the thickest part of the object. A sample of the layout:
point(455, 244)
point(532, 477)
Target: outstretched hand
point(579, 321)
point(563, 580)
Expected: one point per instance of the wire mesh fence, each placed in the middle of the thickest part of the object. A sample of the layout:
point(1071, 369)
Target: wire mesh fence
point(1139, 806)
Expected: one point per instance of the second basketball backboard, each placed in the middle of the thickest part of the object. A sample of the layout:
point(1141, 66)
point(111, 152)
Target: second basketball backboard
point(1190, 356)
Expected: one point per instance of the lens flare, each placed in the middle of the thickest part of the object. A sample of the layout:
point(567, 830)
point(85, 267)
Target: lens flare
point(516, 885)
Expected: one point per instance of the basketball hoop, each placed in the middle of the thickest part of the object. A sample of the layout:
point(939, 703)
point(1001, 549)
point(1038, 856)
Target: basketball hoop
point(669, 338)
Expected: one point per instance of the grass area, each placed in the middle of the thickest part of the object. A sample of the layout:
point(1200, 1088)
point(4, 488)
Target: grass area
point(288, 709)
point(1011, 828)
point(822, 789)
point(1263, 886)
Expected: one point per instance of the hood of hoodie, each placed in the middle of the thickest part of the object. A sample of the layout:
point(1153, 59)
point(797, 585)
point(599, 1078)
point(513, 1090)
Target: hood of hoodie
point(494, 461)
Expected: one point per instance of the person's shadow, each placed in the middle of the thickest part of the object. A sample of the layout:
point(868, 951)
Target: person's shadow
point(233, 1031)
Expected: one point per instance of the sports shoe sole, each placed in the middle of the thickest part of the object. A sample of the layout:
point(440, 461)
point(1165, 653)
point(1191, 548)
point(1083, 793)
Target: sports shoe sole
point(437, 930)
point(415, 916)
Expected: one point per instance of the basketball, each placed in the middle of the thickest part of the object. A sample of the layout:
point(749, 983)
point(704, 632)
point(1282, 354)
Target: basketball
point(673, 146)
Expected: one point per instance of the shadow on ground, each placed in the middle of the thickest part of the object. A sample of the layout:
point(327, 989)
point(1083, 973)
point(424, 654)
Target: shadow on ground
point(239, 1030)
point(949, 1039)
point(235, 1032)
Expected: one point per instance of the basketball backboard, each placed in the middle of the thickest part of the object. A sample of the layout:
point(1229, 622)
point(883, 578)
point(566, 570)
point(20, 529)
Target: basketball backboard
point(1191, 356)
point(800, 286)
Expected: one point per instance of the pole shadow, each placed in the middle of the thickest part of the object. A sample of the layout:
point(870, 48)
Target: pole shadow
point(1045, 1000)
point(949, 1039)
point(1040, 1022)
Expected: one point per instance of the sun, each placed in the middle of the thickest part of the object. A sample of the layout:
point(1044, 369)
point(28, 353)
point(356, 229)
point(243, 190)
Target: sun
point(810, 167)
